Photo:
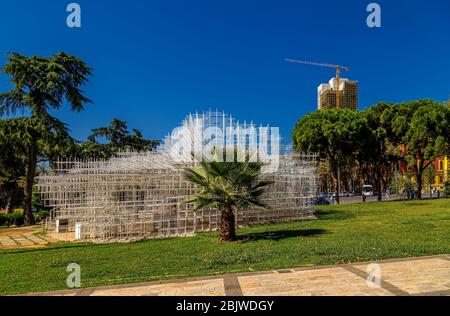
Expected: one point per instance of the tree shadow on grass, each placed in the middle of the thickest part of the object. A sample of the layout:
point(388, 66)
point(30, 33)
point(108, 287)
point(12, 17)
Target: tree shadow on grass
point(281, 234)
point(49, 248)
point(333, 215)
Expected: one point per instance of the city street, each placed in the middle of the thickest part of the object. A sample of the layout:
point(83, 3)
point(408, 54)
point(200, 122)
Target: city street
point(392, 197)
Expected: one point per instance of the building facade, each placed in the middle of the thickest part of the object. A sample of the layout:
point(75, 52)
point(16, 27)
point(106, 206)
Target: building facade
point(441, 171)
point(326, 94)
point(441, 167)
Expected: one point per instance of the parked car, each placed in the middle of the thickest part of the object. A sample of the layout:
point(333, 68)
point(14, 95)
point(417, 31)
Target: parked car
point(322, 201)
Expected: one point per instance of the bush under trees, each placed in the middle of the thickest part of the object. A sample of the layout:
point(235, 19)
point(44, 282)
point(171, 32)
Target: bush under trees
point(16, 218)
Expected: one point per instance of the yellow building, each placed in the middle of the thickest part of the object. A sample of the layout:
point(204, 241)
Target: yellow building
point(442, 169)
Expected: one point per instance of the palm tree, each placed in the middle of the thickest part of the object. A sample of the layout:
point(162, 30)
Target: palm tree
point(42, 84)
point(227, 186)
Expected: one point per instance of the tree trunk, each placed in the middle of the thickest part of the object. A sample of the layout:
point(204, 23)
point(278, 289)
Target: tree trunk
point(227, 225)
point(378, 177)
point(11, 198)
point(28, 187)
point(338, 183)
point(384, 183)
point(419, 184)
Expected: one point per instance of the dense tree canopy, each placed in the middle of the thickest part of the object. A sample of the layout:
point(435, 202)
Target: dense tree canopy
point(12, 168)
point(379, 137)
point(26, 140)
point(380, 154)
point(421, 129)
point(44, 83)
point(334, 134)
point(39, 85)
point(104, 142)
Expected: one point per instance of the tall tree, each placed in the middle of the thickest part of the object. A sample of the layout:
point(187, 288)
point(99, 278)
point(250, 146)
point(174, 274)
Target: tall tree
point(382, 154)
point(34, 139)
point(12, 167)
point(228, 186)
point(120, 138)
point(104, 142)
point(334, 134)
point(422, 129)
point(41, 84)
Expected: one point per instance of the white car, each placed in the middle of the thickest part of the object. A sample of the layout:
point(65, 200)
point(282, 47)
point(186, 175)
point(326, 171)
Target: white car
point(367, 190)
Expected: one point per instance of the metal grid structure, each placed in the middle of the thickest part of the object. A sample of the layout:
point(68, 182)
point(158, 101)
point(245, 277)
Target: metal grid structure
point(139, 195)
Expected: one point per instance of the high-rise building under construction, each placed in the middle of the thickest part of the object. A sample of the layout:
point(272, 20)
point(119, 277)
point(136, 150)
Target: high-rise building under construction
point(348, 94)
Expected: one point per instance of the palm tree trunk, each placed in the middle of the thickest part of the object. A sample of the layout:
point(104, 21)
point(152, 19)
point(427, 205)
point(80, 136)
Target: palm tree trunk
point(28, 187)
point(227, 225)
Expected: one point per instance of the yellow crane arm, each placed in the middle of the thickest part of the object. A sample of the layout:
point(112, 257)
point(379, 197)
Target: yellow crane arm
point(338, 74)
point(295, 61)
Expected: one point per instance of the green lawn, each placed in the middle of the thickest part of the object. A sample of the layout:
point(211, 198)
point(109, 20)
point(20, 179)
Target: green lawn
point(347, 233)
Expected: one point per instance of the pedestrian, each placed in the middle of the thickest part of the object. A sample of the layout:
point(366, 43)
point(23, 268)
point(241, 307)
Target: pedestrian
point(438, 194)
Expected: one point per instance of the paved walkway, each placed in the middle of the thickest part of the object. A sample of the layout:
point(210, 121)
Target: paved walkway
point(22, 237)
point(414, 276)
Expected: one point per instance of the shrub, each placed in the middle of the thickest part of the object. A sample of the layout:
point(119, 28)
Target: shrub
point(401, 183)
point(6, 220)
point(41, 215)
point(447, 189)
point(16, 218)
point(3, 219)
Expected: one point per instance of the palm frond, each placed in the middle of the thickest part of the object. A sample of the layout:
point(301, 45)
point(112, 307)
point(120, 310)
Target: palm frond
point(195, 177)
point(226, 184)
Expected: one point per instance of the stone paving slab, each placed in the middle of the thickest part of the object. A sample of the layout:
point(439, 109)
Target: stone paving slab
point(418, 276)
point(22, 241)
point(323, 282)
point(36, 239)
point(194, 288)
point(413, 276)
point(6, 241)
point(22, 237)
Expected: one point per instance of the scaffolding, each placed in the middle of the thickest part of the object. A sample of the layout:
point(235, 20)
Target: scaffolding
point(139, 195)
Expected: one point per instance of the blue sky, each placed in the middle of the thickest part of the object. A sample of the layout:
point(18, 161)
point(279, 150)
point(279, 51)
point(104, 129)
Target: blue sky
point(155, 61)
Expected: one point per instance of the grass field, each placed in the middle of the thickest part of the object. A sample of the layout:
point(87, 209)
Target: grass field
point(347, 233)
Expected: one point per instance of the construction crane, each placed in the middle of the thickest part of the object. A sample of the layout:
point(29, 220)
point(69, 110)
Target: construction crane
point(338, 74)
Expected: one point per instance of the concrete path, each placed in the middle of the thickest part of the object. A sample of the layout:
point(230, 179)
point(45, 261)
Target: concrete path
point(413, 276)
